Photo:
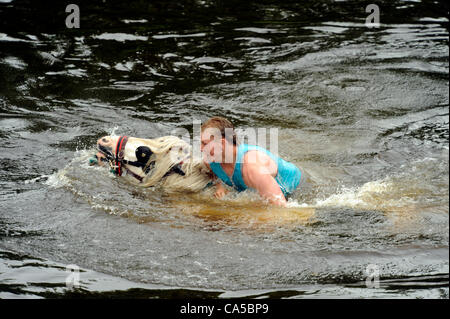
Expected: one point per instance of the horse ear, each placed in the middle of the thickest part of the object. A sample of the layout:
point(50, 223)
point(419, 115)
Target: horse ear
point(143, 154)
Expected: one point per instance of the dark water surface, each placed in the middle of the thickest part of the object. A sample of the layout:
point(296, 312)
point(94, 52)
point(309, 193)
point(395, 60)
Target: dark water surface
point(364, 110)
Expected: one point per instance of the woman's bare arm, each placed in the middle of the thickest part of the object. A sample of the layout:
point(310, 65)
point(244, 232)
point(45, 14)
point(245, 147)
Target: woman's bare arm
point(258, 172)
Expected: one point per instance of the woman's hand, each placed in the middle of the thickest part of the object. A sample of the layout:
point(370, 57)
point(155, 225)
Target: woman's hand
point(220, 190)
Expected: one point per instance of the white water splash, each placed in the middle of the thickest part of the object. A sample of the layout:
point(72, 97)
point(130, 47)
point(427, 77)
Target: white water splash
point(57, 179)
point(363, 197)
point(412, 187)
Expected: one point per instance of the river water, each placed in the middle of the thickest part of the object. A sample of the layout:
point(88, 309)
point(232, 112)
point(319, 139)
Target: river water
point(365, 111)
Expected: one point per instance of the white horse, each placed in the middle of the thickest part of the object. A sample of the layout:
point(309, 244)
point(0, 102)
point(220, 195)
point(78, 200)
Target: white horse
point(165, 161)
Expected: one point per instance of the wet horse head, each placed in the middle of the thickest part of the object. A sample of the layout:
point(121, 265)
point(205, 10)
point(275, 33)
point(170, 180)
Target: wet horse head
point(167, 159)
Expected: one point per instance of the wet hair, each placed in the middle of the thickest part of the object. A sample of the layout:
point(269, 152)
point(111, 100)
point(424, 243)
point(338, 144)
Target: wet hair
point(221, 124)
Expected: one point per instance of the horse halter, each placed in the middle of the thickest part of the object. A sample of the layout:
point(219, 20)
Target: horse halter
point(143, 154)
point(120, 154)
point(116, 160)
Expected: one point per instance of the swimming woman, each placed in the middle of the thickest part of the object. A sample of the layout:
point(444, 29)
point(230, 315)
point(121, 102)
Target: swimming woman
point(245, 166)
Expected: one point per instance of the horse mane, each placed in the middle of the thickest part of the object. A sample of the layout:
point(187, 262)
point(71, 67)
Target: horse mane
point(169, 151)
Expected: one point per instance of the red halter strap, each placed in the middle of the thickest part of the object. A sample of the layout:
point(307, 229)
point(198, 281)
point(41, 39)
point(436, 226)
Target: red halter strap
point(120, 153)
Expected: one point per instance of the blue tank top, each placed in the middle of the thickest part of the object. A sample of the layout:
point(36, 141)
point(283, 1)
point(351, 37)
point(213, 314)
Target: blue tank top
point(288, 175)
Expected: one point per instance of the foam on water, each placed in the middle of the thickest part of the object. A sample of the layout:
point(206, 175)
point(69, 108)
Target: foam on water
point(411, 189)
